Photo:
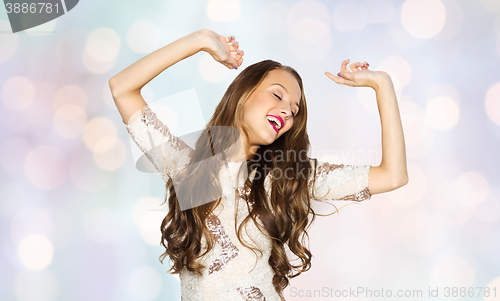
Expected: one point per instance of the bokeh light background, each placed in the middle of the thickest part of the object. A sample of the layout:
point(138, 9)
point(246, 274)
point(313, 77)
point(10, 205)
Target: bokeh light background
point(78, 221)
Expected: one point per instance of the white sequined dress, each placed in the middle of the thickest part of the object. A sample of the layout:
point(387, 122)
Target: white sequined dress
point(234, 272)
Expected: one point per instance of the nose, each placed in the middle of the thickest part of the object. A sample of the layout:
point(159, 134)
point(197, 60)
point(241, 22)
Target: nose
point(287, 112)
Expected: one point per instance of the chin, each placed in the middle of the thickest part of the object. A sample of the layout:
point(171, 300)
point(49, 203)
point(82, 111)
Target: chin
point(264, 140)
point(271, 140)
point(267, 138)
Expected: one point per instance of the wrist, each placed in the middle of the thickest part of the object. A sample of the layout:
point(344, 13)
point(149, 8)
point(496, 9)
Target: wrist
point(201, 39)
point(382, 80)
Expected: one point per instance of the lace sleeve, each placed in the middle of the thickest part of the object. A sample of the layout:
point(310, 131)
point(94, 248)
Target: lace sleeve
point(339, 182)
point(167, 152)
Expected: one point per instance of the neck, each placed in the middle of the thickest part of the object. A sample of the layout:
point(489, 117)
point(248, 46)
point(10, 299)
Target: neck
point(242, 150)
point(252, 150)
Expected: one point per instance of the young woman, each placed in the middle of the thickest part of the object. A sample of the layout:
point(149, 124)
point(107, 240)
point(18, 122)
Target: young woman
point(232, 247)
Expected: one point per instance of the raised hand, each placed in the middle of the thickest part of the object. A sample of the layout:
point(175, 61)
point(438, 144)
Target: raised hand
point(223, 49)
point(358, 76)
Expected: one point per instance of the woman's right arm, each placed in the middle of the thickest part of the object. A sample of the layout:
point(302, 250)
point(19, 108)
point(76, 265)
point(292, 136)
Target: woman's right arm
point(126, 85)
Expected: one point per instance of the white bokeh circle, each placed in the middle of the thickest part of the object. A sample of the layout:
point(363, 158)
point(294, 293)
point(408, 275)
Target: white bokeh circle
point(110, 153)
point(492, 103)
point(103, 44)
point(442, 113)
point(35, 252)
point(399, 69)
point(223, 10)
point(423, 18)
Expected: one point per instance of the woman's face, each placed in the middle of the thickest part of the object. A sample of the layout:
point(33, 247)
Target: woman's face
point(268, 112)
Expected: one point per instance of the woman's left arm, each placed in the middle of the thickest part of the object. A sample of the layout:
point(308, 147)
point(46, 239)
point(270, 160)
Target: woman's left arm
point(391, 173)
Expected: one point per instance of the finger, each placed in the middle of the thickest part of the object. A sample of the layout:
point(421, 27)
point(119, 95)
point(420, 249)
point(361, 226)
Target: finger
point(354, 66)
point(334, 78)
point(229, 39)
point(337, 79)
point(237, 58)
point(231, 60)
point(365, 65)
point(343, 66)
point(234, 43)
point(237, 55)
point(347, 75)
point(239, 61)
point(233, 48)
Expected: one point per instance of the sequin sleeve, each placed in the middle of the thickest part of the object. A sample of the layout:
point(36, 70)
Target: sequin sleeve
point(339, 182)
point(167, 152)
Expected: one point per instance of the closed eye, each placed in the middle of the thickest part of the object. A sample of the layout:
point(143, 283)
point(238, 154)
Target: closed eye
point(277, 96)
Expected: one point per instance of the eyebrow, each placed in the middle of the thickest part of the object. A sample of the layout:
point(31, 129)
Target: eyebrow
point(296, 103)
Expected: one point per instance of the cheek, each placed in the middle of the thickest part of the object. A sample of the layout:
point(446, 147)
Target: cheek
point(248, 114)
point(254, 110)
point(249, 117)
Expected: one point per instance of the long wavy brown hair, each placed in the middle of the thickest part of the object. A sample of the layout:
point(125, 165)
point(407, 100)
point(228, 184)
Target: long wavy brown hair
point(284, 217)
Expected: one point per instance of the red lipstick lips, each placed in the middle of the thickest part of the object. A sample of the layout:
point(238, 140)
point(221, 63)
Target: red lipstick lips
point(274, 127)
point(279, 120)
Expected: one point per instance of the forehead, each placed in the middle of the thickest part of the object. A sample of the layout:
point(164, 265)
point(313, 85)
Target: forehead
point(278, 76)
